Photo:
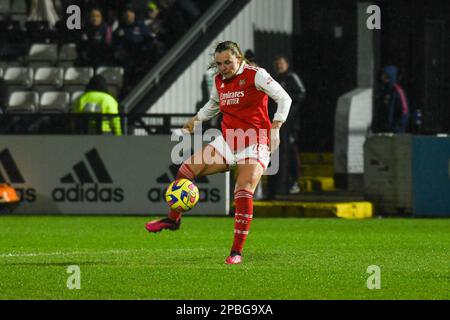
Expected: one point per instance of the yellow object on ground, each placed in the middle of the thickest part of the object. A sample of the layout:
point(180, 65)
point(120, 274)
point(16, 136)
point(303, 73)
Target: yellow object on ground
point(348, 210)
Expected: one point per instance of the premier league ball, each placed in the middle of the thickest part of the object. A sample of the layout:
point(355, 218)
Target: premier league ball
point(182, 195)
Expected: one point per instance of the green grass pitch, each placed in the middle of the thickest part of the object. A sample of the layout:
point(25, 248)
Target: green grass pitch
point(285, 258)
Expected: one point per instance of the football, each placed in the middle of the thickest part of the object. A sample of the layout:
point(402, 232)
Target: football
point(182, 195)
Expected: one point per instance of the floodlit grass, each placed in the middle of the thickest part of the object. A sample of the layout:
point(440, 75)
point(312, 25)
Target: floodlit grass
point(291, 258)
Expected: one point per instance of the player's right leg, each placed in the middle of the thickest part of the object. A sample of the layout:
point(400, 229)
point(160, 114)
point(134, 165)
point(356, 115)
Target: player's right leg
point(205, 162)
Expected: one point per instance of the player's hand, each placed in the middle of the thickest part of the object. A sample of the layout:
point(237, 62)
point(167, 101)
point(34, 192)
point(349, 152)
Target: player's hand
point(190, 124)
point(274, 139)
point(275, 135)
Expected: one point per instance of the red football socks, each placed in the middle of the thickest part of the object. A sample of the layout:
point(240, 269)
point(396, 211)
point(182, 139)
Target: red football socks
point(183, 173)
point(243, 216)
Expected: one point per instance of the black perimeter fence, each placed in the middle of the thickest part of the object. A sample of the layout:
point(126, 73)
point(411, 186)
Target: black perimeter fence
point(89, 123)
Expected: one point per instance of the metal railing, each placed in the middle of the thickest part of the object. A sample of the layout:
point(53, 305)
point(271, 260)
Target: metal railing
point(88, 123)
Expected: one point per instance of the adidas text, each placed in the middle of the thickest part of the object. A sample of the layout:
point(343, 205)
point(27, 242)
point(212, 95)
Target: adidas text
point(26, 194)
point(80, 193)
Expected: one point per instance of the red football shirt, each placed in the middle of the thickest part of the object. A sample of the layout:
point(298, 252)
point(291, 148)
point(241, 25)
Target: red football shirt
point(243, 102)
point(243, 107)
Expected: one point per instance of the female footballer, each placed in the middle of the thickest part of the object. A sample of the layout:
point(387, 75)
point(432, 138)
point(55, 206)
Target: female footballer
point(248, 136)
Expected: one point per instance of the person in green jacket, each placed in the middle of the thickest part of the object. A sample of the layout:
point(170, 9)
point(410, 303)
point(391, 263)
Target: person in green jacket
point(97, 99)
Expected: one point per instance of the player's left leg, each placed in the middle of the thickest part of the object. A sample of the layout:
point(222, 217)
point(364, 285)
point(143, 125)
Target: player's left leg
point(205, 162)
point(248, 177)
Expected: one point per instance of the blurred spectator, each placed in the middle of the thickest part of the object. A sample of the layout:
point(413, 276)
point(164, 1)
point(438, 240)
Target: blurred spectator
point(155, 24)
point(132, 40)
point(190, 8)
point(95, 43)
point(13, 39)
point(140, 8)
point(250, 56)
point(97, 99)
point(286, 181)
point(131, 32)
point(43, 10)
point(153, 19)
point(391, 113)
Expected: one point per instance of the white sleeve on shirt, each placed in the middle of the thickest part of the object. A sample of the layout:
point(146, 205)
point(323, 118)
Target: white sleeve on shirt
point(264, 82)
point(211, 108)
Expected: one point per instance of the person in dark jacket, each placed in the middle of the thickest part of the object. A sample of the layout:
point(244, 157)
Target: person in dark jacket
point(392, 111)
point(135, 49)
point(132, 35)
point(96, 38)
point(286, 181)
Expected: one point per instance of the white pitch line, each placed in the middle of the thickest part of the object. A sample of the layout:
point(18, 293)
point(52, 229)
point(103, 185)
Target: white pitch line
point(61, 253)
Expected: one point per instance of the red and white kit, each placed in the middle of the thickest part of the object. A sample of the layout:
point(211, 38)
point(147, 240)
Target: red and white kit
point(243, 102)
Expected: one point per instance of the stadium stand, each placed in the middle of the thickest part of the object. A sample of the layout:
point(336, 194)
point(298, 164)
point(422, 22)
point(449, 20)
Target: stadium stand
point(54, 102)
point(18, 78)
point(19, 10)
point(35, 53)
point(47, 79)
point(114, 78)
point(74, 96)
point(39, 31)
point(67, 55)
point(23, 102)
point(42, 54)
point(18, 7)
point(5, 7)
point(76, 79)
